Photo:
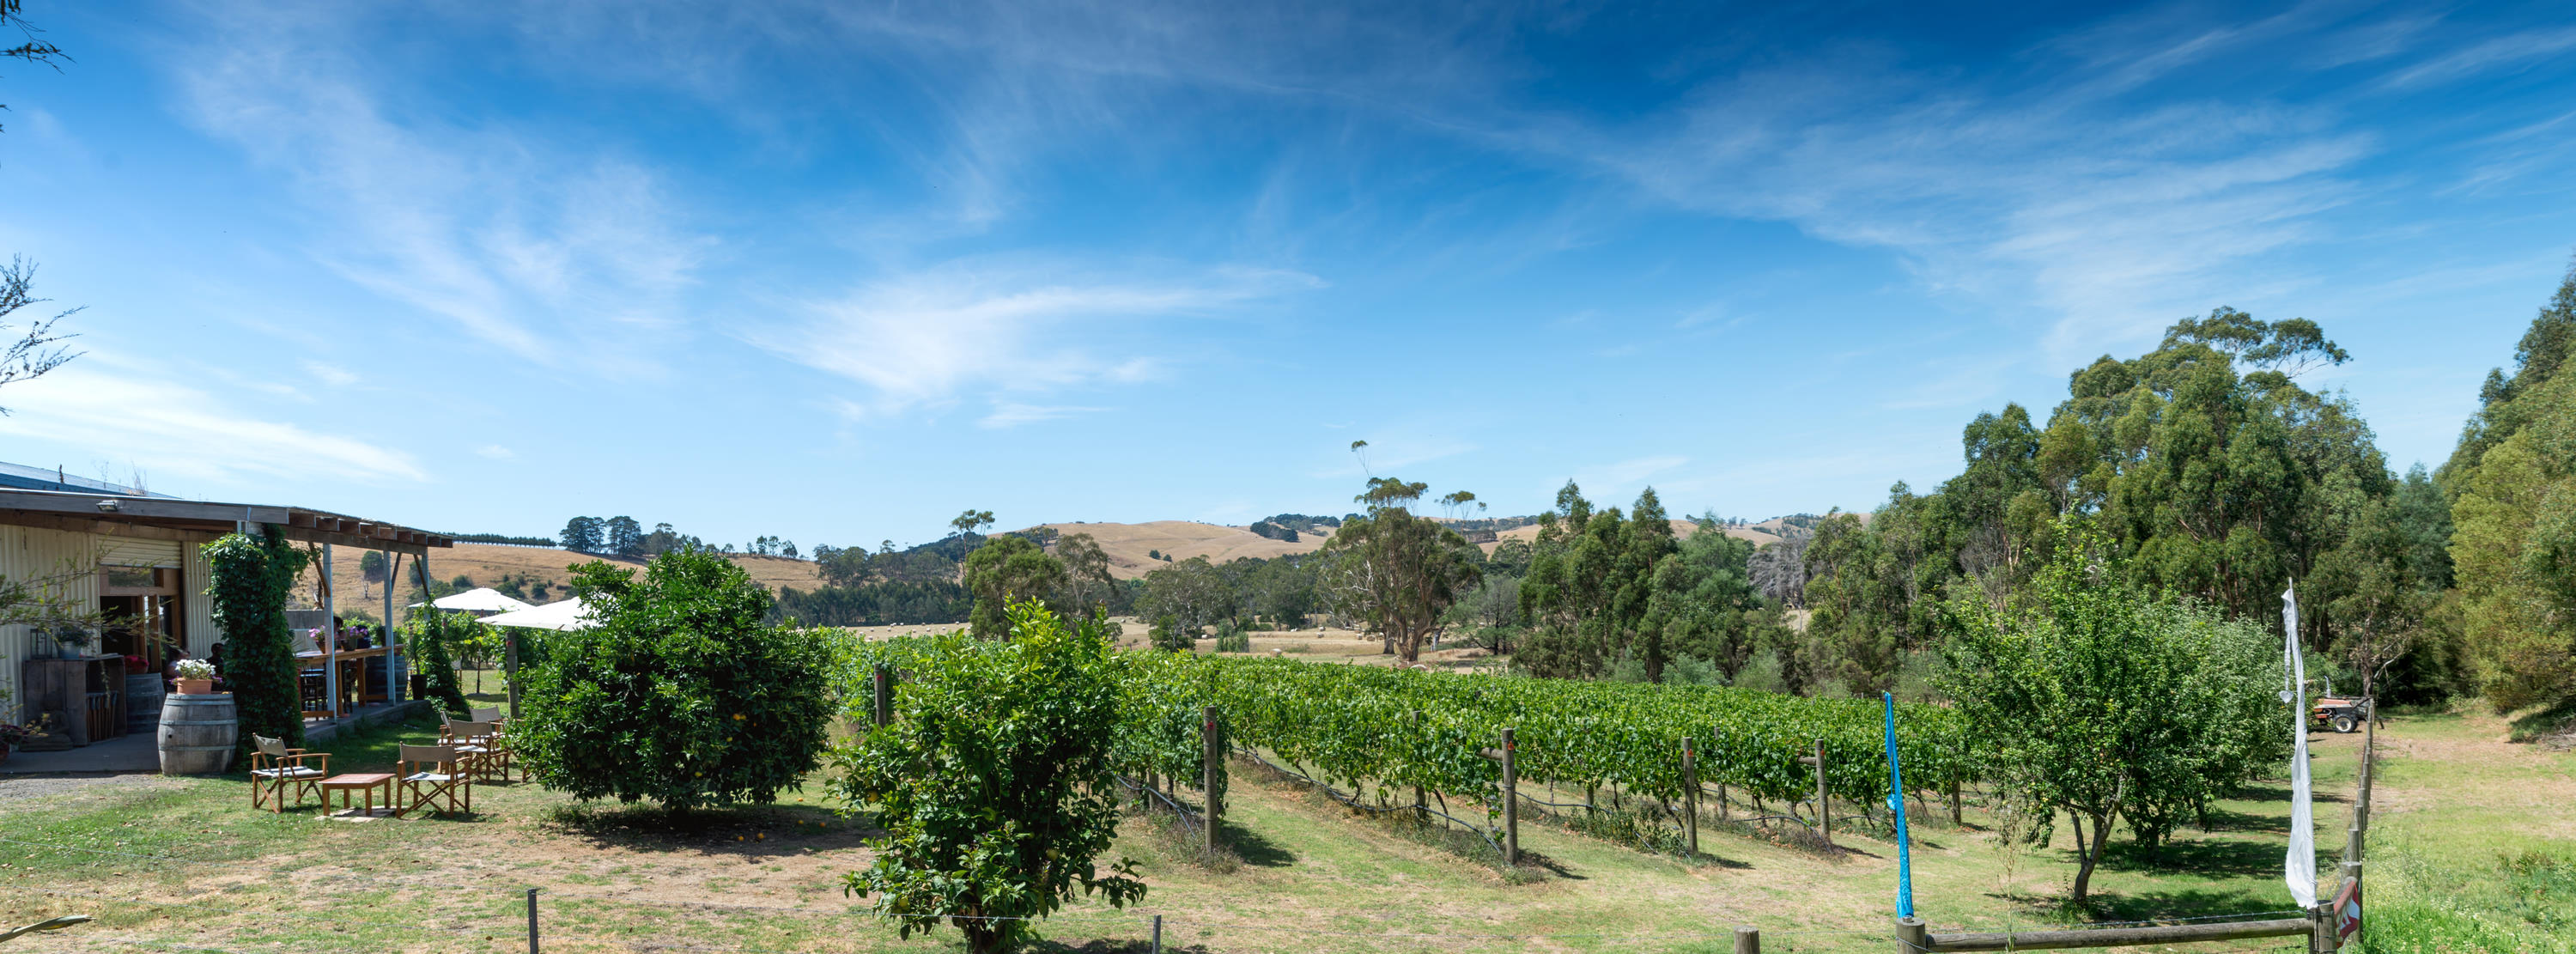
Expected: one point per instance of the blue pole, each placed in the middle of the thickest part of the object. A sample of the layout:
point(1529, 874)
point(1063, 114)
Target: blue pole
point(1896, 803)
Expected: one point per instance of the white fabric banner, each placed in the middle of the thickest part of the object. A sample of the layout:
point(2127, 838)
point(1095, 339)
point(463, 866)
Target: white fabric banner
point(2300, 868)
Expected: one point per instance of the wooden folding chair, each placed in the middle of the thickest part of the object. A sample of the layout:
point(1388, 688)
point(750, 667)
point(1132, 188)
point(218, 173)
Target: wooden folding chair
point(276, 771)
point(429, 777)
point(486, 715)
point(480, 744)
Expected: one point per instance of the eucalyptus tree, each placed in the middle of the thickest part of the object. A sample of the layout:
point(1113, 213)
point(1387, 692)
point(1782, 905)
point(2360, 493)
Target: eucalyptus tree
point(1395, 571)
point(1088, 583)
point(1005, 570)
point(1191, 594)
point(2513, 487)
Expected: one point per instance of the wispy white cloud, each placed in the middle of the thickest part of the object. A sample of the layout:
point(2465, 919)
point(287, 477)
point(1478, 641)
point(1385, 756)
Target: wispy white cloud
point(2516, 50)
point(172, 429)
point(558, 257)
point(1006, 414)
point(495, 452)
point(330, 374)
point(928, 337)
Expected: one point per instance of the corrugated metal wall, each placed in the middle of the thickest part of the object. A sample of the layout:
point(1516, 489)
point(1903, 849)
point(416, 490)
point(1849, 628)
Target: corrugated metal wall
point(193, 580)
point(134, 551)
point(28, 553)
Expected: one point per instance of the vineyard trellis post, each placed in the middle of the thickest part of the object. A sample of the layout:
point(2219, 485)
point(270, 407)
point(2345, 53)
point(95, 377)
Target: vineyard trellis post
point(1748, 940)
point(1421, 806)
point(1912, 937)
point(1511, 800)
point(1824, 806)
point(884, 681)
point(1690, 797)
point(1211, 763)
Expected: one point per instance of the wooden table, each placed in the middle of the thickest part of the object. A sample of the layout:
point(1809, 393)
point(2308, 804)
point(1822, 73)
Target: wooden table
point(353, 676)
point(364, 783)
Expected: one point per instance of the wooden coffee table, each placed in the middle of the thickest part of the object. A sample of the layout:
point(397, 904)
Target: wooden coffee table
point(364, 783)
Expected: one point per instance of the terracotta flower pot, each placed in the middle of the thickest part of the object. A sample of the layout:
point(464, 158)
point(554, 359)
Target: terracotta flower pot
point(196, 687)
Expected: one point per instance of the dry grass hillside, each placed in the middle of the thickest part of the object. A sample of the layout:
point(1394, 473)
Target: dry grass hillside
point(488, 563)
point(1762, 534)
point(1129, 544)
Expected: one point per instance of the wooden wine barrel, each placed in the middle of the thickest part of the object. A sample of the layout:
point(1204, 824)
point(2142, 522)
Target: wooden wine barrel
point(142, 702)
point(198, 733)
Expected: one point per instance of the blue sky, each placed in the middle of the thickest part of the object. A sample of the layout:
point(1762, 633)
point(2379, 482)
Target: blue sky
point(837, 271)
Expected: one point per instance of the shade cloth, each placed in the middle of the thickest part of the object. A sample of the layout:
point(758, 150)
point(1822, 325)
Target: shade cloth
point(483, 600)
point(569, 614)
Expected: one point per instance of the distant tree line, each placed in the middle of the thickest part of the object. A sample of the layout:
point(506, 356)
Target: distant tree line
point(504, 538)
point(623, 536)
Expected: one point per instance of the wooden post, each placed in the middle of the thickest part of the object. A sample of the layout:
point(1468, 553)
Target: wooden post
point(2166, 934)
point(510, 667)
point(1158, 934)
point(1690, 797)
point(330, 639)
point(2321, 933)
point(1954, 803)
point(1748, 940)
point(1211, 764)
point(393, 649)
point(1912, 937)
point(1421, 807)
point(884, 696)
point(1824, 799)
point(1723, 812)
point(1511, 805)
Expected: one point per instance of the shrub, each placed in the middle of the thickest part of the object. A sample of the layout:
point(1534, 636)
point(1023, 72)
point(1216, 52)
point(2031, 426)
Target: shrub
point(429, 640)
point(993, 783)
point(1234, 642)
point(1168, 633)
point(249, 583)
point(679, 693)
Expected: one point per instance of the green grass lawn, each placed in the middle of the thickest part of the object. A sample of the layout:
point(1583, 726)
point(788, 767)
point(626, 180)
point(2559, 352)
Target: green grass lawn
point(2470, 851)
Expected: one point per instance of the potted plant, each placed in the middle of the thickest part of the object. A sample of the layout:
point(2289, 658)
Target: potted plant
point(11, 734)
point(196, 677)
point(72, 642)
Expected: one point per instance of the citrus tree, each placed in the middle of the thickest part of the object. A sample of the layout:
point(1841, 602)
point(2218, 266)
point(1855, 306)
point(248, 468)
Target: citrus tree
point(993, 783)
point(678, 693)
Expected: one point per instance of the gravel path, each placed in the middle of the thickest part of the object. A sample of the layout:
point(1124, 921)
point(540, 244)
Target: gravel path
point(39, 786)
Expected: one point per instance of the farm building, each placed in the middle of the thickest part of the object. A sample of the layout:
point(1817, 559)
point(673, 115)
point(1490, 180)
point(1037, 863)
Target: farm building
point(133, 559)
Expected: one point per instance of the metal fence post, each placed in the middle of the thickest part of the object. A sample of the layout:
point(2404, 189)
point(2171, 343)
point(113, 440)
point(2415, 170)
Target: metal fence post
point(1158, 934)
point(532, 921)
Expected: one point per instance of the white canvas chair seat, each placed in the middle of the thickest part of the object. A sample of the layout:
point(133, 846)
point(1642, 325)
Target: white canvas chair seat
point(278, 773)
point(434, 778)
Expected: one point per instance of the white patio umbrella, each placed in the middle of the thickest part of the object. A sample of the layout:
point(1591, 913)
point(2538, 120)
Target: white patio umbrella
point(568, 614)
point(483, 600)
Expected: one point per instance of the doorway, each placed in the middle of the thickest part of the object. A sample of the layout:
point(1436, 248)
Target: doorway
point(141, 612)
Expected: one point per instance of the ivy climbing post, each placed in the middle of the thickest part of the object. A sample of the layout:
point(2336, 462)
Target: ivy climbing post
point(248, 582)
